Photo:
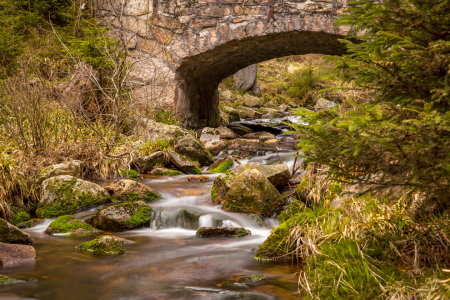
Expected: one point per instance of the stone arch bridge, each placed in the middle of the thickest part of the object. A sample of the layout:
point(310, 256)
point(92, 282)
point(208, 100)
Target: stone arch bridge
point(182, 55)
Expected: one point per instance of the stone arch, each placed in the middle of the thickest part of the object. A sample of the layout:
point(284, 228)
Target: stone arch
point(198, 76)
point(193, 45)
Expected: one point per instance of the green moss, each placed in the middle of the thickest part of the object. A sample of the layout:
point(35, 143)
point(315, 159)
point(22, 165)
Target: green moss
point(103, 245)
point(359, 274)
point(197, 170)
point(4, 280)
point(69, 224)
point(258, 277)
point(301, 189)
point(214, 196)
point(222, 232)
point(66, 200)
point(274, 246)
point(20, 217)
point(129, 174)
point(140, 217)
point(290, 211)
point(222, 166)
point(167, 173)
point(147, 196)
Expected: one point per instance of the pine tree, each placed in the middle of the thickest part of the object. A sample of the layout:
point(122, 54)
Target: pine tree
point(400, 53)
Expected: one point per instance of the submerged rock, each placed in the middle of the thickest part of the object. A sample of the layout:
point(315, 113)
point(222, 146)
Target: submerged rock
point(4, 280)
point(147, 163)
point(197, 178)
point(16, 254)
point(252, 192)
point(183, 164)
point(63, 195)
point(106, 245)
point(191, 148)
point(69, 224)
point(278, 175)
point(72, 168)
point(127, 190)
point(248, 112)
point(12, 235)
point(121, 217)
point(236, 232)
point(262, 136)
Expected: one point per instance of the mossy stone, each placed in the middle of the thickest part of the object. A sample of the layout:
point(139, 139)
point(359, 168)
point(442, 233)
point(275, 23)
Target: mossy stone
point(222, 165)
point(69, 224)
point(105, 245)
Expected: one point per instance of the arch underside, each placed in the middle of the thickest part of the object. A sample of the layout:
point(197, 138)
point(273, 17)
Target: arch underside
point(198, 76)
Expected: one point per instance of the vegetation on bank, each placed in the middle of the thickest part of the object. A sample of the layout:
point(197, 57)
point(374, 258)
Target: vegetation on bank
point(373, 221)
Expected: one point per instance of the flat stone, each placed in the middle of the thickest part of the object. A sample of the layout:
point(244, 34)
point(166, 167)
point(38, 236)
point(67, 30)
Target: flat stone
point(16, 254)
point(226, 133)
point(211, 232)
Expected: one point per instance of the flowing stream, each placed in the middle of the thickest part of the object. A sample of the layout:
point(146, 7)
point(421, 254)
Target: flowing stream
point(167, 261)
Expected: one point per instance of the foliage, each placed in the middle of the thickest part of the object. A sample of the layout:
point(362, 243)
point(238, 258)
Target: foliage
point(129, 174)
point(403, 134)
point(302, 82)
point(165, 117)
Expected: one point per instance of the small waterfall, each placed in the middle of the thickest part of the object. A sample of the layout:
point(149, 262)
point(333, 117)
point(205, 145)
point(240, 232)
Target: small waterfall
point(230, 224)
point(206, 221)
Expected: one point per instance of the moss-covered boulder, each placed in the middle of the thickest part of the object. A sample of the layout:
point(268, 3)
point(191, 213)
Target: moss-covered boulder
point(72, 168)
point(278, 175)
point(4, 280)
point(165, 172)
point(233, 114)
point(126, 190)
point(146, 164)
point(183, 164)
point(64, 195)
point(274, 246)
point(206, 232)
point(222, 165)
point(191, 148)
point(12, 235)
point(105, 245)
point(252, 192)
point(69, 224)
point(121, 217)
point(221, 186)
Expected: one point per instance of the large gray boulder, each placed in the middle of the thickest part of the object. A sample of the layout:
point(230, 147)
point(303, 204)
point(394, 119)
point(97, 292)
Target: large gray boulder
point(251, 192)
point(183, 164)
point(65, 195)
point(151, 130)
point(190, 147)
point(72, 168)
point(323, 104)
point(248, 112)
point(279, 175)
point(246, 79)
point(252, 101)
point(121, 217)
point(12, 235)
point(146, 164)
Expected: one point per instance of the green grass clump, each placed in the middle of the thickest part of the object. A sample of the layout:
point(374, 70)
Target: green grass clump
point(343, 270)
point(290, 211)
point(222, 167)
point(69, 224)
point(6, 280)
point(167, 173)
point(258, 277)
point(129, 174)
point(20, 217)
